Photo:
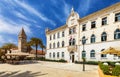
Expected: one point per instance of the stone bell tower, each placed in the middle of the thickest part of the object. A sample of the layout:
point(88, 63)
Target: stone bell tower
point(22, 40)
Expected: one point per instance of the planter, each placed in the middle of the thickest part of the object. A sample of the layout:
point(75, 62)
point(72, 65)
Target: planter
point(101, 74)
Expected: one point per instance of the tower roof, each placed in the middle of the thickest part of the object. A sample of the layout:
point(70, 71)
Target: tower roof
point(22, 33)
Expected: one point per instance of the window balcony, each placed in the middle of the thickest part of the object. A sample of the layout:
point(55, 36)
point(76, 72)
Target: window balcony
point(72, 48)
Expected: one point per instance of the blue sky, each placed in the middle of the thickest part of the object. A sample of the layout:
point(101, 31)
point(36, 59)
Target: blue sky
point(36, 15)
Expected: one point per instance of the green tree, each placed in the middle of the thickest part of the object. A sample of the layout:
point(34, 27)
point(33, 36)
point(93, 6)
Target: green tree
point(7, 47)
point(43, 47)
point(35, 42)
point(29, 44)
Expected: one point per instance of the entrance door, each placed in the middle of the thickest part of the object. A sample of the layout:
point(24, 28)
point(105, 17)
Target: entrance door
point(72, 58)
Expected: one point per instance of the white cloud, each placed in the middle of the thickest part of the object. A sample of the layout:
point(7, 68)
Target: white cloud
point(12, 27)
point(1, 40)
point(84, 6)
point(34, 11)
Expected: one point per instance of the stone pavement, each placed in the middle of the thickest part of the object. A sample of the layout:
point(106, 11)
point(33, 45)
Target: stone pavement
point(47, 69)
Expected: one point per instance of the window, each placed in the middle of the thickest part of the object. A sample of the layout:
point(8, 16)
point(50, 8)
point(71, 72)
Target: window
point(53, 45)
point(92, 53)
point(117, 34)
point(103, 55)
point(63, 34)
point(50, 46)
point(54, 36)
point(83, 54)
point(92, 38)
point(93, 24)
point(50, 55)
point(83, 40)
point(62, 54)
point(58, 44)
point(50, 37)
point(117, 17)
point(104, 21)
point(53, 54)
point(72, 30)
point(104, 36)
point(62, 43)
point(84, 27)
point(58, 35)
point(57, 54)
point(72, 42)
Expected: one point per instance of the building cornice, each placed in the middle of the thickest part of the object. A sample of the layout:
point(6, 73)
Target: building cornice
point(57, 29)
point(100, 12)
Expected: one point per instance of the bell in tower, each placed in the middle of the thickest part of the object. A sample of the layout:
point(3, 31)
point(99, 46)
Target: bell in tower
point(22, 39)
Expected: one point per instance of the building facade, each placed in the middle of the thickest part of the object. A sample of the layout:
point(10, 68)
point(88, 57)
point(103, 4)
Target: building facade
point(85, 37)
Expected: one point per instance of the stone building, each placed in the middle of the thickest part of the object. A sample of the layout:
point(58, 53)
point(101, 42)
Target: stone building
point(98, 31)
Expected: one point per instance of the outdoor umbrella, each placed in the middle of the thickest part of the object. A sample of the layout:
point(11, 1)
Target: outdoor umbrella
point(110, 50)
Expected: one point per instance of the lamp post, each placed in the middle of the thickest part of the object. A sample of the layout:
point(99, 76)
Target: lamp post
point(83, 57)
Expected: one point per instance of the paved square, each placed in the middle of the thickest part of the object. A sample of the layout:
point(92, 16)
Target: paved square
point(47, 69)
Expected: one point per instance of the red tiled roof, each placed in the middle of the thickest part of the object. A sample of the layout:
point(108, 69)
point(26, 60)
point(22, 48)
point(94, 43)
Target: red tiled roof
point(39, 52)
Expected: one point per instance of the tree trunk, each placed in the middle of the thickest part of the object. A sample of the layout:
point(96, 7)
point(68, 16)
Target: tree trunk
point(42, 52)
point(36, 51)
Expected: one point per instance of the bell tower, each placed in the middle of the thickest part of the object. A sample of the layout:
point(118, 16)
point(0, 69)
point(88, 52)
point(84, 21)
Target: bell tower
point(22, 39)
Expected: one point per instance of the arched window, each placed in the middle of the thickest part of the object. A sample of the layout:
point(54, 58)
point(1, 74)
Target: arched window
point(83, 54)
point(103, 55)
point(62, 43)
point(50, 55)
point(58, 44)
point(70, 41)
point(50, 46)
point(53, 54)
point(83, 40)
point(57, 54)
point(73, 42)
point(104, 36)
point(92, 38)
point(53, 45)
point(92, 53)
point(117, 34)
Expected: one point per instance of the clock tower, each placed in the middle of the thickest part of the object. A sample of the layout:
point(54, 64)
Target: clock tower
point(22, 40)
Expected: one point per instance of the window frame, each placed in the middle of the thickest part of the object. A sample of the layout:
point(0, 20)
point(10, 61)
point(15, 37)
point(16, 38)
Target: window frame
point(93, 24)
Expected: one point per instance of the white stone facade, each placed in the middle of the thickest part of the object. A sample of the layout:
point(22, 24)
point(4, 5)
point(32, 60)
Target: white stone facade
point(107, 21)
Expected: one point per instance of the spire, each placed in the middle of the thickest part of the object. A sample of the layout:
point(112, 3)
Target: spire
point(22, 33)
point(72, 10)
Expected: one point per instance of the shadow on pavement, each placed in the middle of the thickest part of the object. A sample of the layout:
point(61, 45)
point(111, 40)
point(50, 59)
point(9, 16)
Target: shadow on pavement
point(22, 74)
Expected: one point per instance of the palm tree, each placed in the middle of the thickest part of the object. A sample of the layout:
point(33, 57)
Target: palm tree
point(43, 47)
point(35, 42)
point(28, 44)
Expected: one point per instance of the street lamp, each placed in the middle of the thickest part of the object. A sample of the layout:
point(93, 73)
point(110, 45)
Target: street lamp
point(83, 57)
